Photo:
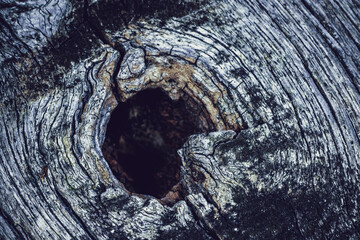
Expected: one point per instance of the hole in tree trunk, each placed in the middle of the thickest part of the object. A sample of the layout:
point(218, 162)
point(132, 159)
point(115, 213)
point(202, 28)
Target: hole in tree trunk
point(143, 136)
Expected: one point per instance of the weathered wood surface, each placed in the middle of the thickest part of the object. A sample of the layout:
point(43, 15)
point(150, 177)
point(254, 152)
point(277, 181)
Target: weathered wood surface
point(282, 77)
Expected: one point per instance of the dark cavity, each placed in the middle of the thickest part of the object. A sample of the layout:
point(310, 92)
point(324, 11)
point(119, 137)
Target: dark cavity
point(143, 136)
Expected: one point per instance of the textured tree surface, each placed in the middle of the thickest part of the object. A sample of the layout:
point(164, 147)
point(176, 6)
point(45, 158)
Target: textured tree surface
point(271, 90)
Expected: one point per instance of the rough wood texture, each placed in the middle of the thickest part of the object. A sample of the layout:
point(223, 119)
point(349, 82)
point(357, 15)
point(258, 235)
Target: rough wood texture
point(278, 85)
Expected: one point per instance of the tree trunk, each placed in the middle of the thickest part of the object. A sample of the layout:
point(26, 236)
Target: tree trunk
point(270, 93)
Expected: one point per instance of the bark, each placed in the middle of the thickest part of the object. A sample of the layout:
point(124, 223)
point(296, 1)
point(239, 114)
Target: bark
point(277, 87)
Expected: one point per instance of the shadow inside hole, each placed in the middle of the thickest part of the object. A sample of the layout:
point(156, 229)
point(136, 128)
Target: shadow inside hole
point(142, 139)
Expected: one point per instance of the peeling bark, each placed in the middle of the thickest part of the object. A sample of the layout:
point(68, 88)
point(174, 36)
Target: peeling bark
point(274, 88)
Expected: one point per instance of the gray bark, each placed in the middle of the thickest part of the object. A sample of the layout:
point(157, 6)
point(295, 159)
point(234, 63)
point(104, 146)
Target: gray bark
point(278, 80)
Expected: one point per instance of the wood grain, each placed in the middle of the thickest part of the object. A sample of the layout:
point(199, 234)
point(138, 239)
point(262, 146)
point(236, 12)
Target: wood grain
point(277, 80)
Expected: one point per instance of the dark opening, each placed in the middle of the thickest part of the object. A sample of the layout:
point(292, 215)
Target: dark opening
point(142, 139)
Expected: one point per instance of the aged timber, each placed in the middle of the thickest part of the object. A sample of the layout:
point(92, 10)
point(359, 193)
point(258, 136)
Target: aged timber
point(256, 128)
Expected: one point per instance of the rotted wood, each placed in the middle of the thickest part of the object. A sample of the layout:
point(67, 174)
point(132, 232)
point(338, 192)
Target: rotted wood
point(273, 92)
